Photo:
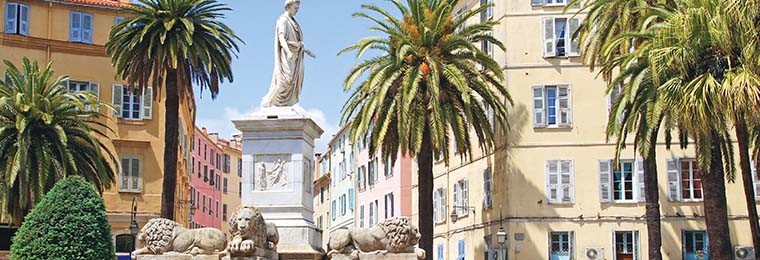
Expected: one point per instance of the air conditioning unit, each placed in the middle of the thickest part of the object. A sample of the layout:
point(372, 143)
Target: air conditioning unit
point(744, 253)
point(594, 253)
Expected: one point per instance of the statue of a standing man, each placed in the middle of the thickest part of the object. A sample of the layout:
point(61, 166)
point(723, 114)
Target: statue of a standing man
point(287, 78)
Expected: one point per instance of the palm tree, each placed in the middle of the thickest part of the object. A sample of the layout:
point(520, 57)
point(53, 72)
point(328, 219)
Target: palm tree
point(429, 88)
point(713, 47)
point(176, 43)
point(47, 134)
point(609, 39)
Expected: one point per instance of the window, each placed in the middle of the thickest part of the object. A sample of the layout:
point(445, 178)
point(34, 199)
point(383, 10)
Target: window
point(561, 245)
point(695, 243)
point(361, 216)
point(560, 181)
point(218, 182)
point(548, 2)
point(322, 195)
point(371, 176)
point(626, 245)
point(81, 86)
point(487, 14)
point(351, 199)
point(389, 205)
point(204, 202)
point(319, 222)
point(461, 250)
point(460, 15)
point(343, 205)
point(624, 183)
point(226, 164)
point(342, 166)
point(124, 243)
point(333, 210)
point(388, 167)
point(205, 173)
point(192, 167)
point(487, 189)
point(439, 206)
point(81, 27)
point(218, 161)
point(240, 189)
point(205, 152)
point(487, 46)
point(217, 209)
point(131, 105)
point(118, 20)
point(552, 106)
point(461, 198)
point(488, 251)
point(199, 169)
point(131, 174)
point(373, 213)
point(224, 212)
point(612, 97)
point(240, 167)
point(224, 187)
point(17, 19)
point(213, 155)
point(558, 34)
point(684, 180)
point(361, 181)
point(439, 251)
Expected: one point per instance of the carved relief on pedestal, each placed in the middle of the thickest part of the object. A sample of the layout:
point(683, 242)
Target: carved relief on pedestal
point(272, 173)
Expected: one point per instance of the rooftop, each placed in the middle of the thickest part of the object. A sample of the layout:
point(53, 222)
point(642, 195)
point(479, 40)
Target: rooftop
point(106, 3)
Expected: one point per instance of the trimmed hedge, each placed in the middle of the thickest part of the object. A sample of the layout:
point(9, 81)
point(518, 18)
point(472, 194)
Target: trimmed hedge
point(69, 223)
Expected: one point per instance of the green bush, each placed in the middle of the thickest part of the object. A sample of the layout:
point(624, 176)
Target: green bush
point(69, 224)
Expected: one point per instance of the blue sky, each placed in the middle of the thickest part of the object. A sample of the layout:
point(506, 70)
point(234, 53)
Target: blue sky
point(328, 27)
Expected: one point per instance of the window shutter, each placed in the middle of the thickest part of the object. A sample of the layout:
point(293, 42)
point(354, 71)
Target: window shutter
point(136, 175)
point(11, 18)
point(755, 178)
point(95, 89)
point(87, 28)
point(574, 48)
point(440, 252)
point(117, 95)
point(147, 103)
point(436, 201)
point(552, 182)
point(605, 183)
point(124, 174)
point(351, 199)
point(487, 192)
point(539, 112)
point(674, 187)
point(640, 186)
point(460, 247)
point(443, 208)
point(565, 106)
point(75, 27)
point(536, 2)
point(550, 50)
point(466, 196)
point(23, 18)
point(566, 179)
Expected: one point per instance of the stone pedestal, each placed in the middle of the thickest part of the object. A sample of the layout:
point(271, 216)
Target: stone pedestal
point(179, 257)
point(378, 256)
point(278, 156)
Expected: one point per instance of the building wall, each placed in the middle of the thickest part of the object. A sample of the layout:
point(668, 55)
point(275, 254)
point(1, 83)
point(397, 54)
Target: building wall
point(48, 41)
point(519, 165)
point(342, 176)
point(232, 194)
point(208, 191)
point(397, 183)
point(322, 196)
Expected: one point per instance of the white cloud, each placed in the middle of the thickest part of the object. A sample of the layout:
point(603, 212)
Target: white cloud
point(226, 129)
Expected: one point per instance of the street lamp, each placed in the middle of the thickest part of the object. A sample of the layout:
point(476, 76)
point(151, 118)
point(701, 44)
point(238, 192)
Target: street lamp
point(501, 235)
point(454, 216)
point(133, 224)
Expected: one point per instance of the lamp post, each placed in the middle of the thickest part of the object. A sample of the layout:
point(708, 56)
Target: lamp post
point(501, 235)
point(133, 224)
point(454, 215)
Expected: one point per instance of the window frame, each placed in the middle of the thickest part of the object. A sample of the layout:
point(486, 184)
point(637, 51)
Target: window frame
point(560, 186)
point(544, 110)
point(571, 45)
point(80, 38)
point(635, 243)
point(623, 191)
point(140, 177)
point(20, 26)
point(569, 243)
point(692, 189)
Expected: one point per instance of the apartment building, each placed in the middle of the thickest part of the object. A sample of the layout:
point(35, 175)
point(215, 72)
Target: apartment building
point(321, 193)
point(206, 183)
point(383, 187)
point(342, 174)
point(72, 35)
point(557, 140)
point(232, 173)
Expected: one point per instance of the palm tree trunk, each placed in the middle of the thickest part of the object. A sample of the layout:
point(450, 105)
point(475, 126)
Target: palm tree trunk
point(171, 141)
point(749, 184)
point(652, 195)
point(425, 192)
point(716, 209)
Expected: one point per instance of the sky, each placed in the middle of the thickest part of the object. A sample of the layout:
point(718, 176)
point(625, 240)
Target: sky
point(328, 27)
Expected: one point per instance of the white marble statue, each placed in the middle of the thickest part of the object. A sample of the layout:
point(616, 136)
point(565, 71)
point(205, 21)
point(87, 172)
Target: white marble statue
point(287, 78)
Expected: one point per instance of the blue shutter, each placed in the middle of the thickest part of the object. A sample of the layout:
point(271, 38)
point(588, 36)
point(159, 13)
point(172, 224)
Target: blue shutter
point(11, 18)
point(87, 28)
point(440, 252)
point(23, 19)
point(351, 199)
point(75, 27)
point(460, 246)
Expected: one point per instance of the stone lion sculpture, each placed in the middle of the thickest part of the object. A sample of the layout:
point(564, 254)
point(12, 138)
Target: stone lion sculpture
point(395, 235)
point(162, 236)
point(249, 231)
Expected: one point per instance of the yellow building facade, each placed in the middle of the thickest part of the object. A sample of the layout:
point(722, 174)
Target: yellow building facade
point(71, 34)
point(550, 184)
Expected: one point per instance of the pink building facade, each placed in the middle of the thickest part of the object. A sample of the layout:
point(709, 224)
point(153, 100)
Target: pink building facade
point(384, 190)
point(205, 181)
